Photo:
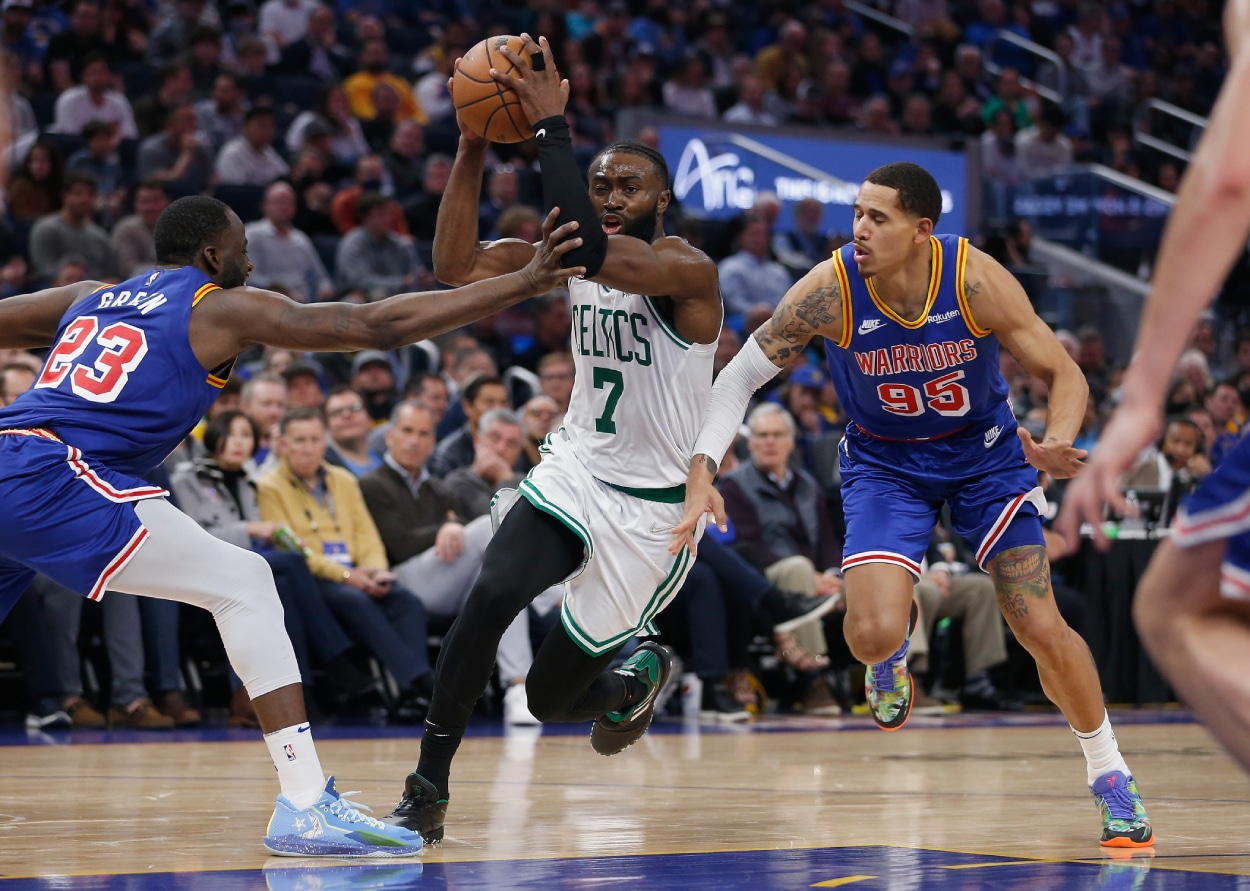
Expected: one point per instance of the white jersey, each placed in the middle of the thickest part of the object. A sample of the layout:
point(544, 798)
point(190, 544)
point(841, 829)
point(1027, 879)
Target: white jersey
point(641, 389)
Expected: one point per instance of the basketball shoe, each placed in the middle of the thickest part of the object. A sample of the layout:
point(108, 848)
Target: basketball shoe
point(1124, 820)
point(888, 684)
point(651, 664)
point(334, 827)
point(421, 809)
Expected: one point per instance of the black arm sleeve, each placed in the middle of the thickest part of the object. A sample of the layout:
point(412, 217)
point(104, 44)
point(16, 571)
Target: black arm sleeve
point(563, 187)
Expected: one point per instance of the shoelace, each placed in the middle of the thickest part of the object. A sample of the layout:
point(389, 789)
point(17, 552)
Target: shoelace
point(883, 676)
point(351, 811)
point(1120, 804)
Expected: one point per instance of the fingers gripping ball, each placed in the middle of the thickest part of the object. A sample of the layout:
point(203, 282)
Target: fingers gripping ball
point(485, 106)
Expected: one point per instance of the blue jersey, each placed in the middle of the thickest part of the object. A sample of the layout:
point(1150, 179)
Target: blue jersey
point(121, 384)
point(916, 380)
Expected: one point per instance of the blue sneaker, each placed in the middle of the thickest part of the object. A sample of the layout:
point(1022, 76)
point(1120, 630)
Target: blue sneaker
point(1124, 820)
point(334, 827)
point(888, 685)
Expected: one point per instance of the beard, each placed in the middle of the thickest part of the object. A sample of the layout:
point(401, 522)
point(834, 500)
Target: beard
point(234, 274)
point(643, 226)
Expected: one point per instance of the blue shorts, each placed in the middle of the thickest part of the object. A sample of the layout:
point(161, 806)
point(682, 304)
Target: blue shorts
point(893, 491)
point(63, 518)
point(1220, 509)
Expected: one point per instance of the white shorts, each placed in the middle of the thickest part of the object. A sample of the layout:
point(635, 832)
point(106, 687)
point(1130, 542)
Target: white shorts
point(628, 575)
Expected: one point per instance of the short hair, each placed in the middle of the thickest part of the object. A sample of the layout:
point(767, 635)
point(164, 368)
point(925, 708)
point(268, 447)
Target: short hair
point(96, 56)
point(475, 386)
point(918, 191)
point(298, 413)
point(555, 359)
point(343, 389)
point(633, 147)
point(186, 226)
point(257, 111)
point(79, 178)
point(766, 409)
point(368, 203)
point(416, 382)
point(410, 402)
point(497, 416)
point(96, 128)
point(218, 430)
point(174, 68)
point(151, 184)
point(265, 377)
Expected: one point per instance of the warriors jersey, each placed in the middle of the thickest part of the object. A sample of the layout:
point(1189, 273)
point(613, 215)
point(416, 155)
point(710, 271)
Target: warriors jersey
point(640, 392)
point(121, 384)
point(915, 380)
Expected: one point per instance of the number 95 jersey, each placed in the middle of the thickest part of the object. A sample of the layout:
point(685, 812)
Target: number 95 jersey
point(121, 384)
point(915, 380)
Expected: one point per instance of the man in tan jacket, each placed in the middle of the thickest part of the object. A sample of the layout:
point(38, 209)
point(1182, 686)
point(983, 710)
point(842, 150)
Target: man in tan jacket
point(323, 505)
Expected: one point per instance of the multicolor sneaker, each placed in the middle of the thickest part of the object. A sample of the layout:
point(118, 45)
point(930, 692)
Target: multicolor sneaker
point(1124, 820)
point(888, 684)
point(652, 664)
point(335, 827)
point(421, 809)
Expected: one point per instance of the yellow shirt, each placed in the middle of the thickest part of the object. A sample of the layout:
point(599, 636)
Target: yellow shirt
point(360, 86)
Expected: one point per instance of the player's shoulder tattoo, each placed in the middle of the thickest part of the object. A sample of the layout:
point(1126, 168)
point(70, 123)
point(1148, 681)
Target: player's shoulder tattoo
point(795, 322)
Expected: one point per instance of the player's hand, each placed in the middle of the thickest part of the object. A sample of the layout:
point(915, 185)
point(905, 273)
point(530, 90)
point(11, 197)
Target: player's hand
point(465, 133)
point(544, 269)
point(1131, 429)
point(449, 542)
point(542, 93)
point(701, 498)
point(1060, 459)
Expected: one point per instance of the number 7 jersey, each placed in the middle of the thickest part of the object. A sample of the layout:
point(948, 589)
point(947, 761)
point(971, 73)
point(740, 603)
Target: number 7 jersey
point(121, 383)
point(917, 380)
point(640, 390)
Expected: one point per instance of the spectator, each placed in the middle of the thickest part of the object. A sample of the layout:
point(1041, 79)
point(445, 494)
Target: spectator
point(35, 187)
point(349, 424)
point(481, 394)
point(72, 231)
point(403, 158)
point(538, 418)
point(98, 159)
point(421, 211)
point(749, 109)
point(688, 93)
point(172, 37)
point(807, 243)
point(970, 67)
point(1000, 166)
point(323, 505)
point(283, 22)
point(318, 52)
point(378, 129)
point(68, 51)
point(373, 377)
point(1178, 457)
point(17, 37)
point(94, 100)
point(875, 117)
point(283, 255)
point(917, 116)
point(250, 158)
point(374, 70)
point(264, 400)
point(176, 155)
point(956, 113)
point(346, 139)
point(152, 111)
point(124, 32)
point(552, 325)
point(220, 118)
point(204, 61)
point(133, 237)
point(1009, 96)
point(790, 49)
point(503, 191)
point(1042, 150)
point(303, 385)
point(498, 443)
point(15, 379)
point(750, 276)
point(521, 222)
point(436, 544)
point(371, 258)
point(556, 373)
point(370, 176)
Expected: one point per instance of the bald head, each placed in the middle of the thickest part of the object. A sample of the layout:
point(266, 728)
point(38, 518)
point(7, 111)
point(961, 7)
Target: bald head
point(279, 204)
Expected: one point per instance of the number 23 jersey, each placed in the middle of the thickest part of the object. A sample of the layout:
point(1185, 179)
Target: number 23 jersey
point(640, 391)
point(121, 383)
point(917, 380)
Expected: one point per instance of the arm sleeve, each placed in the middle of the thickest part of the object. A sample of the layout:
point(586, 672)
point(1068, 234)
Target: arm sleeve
point(563, 187)
point(735, 385)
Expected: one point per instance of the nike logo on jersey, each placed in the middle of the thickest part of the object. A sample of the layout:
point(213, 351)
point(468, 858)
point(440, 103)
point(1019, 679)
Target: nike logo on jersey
point(941, 317)
point(303, 729)
point(541, 132)
point(867, 326)
point(991, 436)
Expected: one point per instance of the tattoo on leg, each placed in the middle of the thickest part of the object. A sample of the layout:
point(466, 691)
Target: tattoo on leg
point(1020, 574)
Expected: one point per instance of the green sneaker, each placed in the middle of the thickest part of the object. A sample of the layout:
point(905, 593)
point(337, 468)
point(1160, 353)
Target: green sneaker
point(1124, 820)
point(888, 685)
point(652, 664)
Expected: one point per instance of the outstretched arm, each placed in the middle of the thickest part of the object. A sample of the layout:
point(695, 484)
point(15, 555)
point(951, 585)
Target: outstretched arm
point(30, 321)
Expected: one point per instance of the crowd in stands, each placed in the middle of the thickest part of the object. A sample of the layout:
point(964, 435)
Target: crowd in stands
point(366, 481)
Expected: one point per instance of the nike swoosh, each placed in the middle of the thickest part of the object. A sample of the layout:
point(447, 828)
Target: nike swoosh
point(541, 132)
point(304, 729)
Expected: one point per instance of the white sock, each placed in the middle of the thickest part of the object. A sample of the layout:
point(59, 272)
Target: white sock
point(1102, 751)
point(295, 758)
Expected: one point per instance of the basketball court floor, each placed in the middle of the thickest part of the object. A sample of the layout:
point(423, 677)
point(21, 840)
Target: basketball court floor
point(958, 802)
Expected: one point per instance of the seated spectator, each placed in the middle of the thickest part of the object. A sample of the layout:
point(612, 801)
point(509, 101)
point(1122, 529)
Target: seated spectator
point(323, 505)
point(346, 141)
point(750, 277)
point(318, 53)
point(1042, 149)
point(15, 379)
point(282, 22)
point(204, 61)
point(790, 49)
point(36, 186)
point(556, 373)
point(220, 117)
point(133, 237)
point(370, 176)
point(436, 543)
point(174, 91)
point(349, 425)
point(1223, 404)
point(250, 158)
point(176, 154)
point(94, 100)
point(503, 191)
point(404, 158)
point(21, 41)
point(497, 448)
point(421, 210)
point(482, 394)
point(219, 493)
point(371, 258)
point(374, 71)
point(98, 159)
point(171, 39)
point(1010, 97)
point(749, 109)
point(373, 377)
point(538, 418)
point(264, 400)
point(1177, 458)
point(283, 255)
point(379, 129)
point(807, 243)
point(303, 384)
point(72, 231)
point(521, 222)
point(688, 93)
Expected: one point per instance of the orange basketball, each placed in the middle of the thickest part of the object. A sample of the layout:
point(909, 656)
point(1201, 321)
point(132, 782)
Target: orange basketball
point(487, 107)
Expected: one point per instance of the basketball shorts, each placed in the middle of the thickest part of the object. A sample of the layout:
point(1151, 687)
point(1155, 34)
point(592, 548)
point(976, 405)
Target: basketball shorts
point(63, 517)
point(1220, 509)
point(893, 492)
point(628, 575)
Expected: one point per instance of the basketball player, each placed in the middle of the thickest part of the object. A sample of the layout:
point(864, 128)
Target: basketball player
point(1191, 606)
point(912, 325)
point(132, 369)
point(598, 509)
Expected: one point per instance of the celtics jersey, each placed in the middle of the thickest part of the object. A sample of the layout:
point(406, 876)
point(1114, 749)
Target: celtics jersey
point(641, 389)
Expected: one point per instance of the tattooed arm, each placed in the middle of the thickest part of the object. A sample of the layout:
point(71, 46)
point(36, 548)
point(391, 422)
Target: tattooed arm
point(813, 306)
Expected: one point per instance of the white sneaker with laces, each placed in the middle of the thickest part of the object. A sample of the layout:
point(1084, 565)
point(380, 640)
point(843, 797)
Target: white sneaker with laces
point(516, 707)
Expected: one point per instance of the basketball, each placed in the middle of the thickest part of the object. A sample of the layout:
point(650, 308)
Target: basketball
point(485, 106)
